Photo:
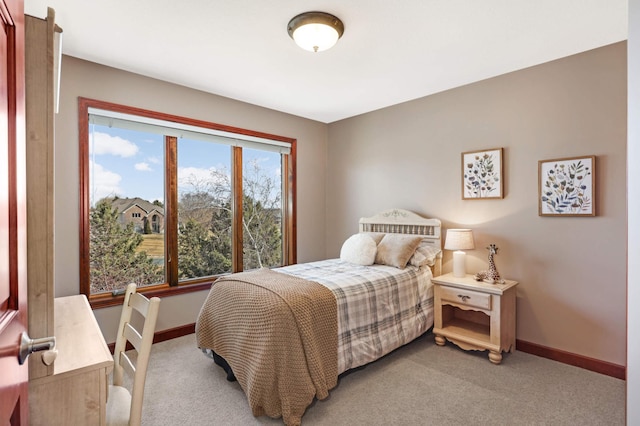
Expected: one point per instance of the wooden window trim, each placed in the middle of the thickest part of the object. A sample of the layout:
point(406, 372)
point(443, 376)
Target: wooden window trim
point(171, 249)
point(171, 206)
point(236, 207)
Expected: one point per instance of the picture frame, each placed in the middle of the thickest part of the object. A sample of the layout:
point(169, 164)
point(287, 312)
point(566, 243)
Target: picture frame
point(566, 186)
point(482, 176)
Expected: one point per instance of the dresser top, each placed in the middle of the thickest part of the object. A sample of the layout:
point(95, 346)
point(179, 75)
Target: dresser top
point(468, 282)
point(79, 341)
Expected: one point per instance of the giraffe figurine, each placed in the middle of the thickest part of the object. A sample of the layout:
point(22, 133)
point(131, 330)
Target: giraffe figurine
point(490, 276)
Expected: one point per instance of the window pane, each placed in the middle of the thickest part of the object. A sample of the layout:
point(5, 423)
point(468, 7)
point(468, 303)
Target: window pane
point(262, 208)
point(204, 209)
point(126, 223)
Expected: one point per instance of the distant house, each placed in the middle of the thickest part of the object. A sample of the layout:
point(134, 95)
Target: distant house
point(141, 213)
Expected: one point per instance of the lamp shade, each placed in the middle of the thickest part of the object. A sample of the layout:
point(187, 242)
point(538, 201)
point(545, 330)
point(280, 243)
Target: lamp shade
point(315, 31)
point(459, 239)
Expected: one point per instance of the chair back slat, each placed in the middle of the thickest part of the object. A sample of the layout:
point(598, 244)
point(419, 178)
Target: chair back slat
point(132, 336)
point(127, 364)
point(140, 303)
point(141, 340)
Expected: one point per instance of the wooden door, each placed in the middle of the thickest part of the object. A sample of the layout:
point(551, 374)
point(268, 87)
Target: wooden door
point(13, 251)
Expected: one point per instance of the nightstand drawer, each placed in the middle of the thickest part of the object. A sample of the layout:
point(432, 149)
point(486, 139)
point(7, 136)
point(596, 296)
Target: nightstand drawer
point(464, 297)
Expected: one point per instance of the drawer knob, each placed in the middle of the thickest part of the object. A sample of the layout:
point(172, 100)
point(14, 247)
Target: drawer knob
point(464, 297)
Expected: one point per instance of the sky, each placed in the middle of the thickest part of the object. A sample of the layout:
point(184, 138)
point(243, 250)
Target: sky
point(130, 163)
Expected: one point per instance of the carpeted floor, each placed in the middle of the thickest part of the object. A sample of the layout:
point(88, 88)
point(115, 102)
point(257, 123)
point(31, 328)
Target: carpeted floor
point(418, 384)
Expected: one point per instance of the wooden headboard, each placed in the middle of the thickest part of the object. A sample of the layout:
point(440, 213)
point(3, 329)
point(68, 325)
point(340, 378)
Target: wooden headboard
point(405, 222)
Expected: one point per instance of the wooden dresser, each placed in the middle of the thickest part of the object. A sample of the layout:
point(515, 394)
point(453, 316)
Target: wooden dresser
point(76, 392)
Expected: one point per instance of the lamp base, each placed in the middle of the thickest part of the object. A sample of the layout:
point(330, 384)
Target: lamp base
point(459, 267)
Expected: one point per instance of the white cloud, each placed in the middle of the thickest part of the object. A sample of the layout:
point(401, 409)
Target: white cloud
point(102, 143)
point(143, 167)
point(104, 183)
point(154, 160)
point(191, 175)
point(197, 178)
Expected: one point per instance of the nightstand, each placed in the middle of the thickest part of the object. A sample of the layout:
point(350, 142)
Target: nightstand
point(475, 315)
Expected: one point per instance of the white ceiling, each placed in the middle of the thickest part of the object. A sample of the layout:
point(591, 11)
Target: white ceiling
point(391, 51)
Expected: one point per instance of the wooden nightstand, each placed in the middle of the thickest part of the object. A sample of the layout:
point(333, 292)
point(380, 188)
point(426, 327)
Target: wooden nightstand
point(475, 315)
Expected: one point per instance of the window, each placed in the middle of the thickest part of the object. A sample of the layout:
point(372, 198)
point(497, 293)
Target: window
point(171, 203)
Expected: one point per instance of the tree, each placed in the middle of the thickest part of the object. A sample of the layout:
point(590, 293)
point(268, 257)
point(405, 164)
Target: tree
point(205, 223)
point(262, 238)
point(196, 205)
point(197, 254)
point(261, 219)
point(220, 229)
point(113, 256)
point(147, 226)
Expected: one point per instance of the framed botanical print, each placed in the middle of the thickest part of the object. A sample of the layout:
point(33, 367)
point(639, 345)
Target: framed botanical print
point(482, 174)
point(566, 186)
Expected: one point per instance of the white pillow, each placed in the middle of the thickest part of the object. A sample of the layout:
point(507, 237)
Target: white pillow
point(377, 236)
point(359, 249)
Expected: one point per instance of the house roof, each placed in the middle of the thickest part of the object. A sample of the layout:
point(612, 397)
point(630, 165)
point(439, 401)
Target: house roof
point(391, 52)
point(124, 204)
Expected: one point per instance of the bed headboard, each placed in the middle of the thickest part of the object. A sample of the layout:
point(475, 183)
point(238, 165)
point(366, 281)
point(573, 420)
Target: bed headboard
point(405, 222)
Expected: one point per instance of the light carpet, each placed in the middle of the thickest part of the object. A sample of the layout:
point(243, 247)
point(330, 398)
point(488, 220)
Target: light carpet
point(418, 384)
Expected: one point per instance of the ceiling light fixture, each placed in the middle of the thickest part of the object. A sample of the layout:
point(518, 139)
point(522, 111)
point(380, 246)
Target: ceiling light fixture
point(315, 31)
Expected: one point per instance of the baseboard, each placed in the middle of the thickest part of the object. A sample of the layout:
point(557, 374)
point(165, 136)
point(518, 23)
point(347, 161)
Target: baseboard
point(592, 364)
point(173, 333)
point(161, 336)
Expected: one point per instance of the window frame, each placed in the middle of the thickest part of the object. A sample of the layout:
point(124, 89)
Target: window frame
point(172, 285)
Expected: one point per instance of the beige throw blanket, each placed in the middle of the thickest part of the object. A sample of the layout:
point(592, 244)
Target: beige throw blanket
point(279, 334)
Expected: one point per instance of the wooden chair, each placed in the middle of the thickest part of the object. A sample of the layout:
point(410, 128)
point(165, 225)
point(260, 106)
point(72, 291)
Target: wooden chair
point(124, 407)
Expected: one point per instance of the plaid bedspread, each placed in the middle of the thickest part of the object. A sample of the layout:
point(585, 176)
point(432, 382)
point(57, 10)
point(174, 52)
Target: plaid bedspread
point(380, 308)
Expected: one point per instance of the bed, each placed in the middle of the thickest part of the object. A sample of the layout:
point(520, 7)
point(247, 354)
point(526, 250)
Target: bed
point(286, 334)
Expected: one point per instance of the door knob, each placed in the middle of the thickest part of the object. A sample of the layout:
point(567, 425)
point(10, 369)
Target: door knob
point(28, 346)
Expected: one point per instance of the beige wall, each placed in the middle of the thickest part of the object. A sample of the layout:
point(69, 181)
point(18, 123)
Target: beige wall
point(86, 79)
point(572, 271)
point(633, 200)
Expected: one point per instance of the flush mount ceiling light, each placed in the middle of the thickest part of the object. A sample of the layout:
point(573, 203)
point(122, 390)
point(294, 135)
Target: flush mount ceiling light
point(315, 31)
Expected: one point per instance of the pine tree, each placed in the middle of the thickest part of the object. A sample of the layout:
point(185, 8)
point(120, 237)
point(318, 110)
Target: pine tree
point(113, 258)
point(197, 254)
point(147, 226)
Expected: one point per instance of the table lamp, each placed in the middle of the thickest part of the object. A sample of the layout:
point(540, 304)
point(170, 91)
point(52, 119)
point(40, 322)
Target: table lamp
point(458, 240)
